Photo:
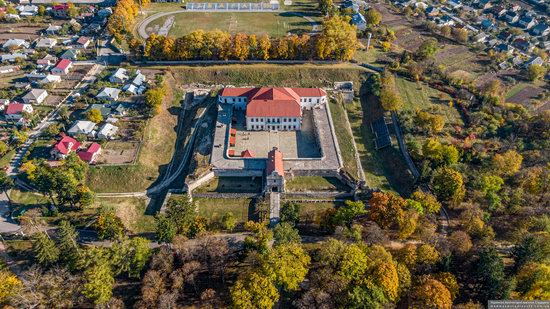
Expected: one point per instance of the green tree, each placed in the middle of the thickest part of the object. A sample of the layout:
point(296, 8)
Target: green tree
point(254, 291)
point(287, 265)
point(373, 17)
point(448, 184)
point(532, 248)
point(285, 233)
point(130, 256)
point(165, 228)
point(345, 214)
point(326, 7)
point(507, 163)
point(290, 213)
point(45, 250)
point(64, 113)
point(390, 99)
point(68, 244)
point(427, 201)
point(98, 282)
point(229, 221)
point(3, 148)
point(427, 49)
point(261, 236)
point(94, 115)
point(109, 226)
point(536, 72)
point(488, 273)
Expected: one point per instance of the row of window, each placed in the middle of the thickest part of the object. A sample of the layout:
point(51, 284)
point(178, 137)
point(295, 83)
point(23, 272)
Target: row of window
point(261, 127)
point(269, 120)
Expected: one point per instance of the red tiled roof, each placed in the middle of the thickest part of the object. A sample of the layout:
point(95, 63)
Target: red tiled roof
point(63, 64)
point(88, 155)
point(231, 152)
point(232, 141)
point(310, 92)
point(233, 131)
point(278, 108)
point(67, 144)
point(82, 40)
point(247, 154)
point(275, 162)
point(14, 108)
point(58, 7)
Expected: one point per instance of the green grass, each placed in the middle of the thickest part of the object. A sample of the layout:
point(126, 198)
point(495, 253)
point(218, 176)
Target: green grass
point(6, 158)
point(417, 96)
point(345, 138)
point(305, 75)
point(516, 89)
point(310, 212)
point(315, 183)
point(232, 185)
point(214, 209)
point(131, 210)
point(27, 198)
point(275, 24)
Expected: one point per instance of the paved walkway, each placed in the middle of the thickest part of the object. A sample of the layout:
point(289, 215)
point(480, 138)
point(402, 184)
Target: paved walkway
point(6, 225)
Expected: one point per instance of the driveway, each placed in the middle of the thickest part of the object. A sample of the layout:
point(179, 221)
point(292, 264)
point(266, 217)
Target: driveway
point(6, 226)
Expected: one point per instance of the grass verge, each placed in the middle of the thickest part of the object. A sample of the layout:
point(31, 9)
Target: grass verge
point(214, 209)
point(345, 138)
point(315, 183)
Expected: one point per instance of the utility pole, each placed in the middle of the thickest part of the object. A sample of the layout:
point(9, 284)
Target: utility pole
point(368, 41)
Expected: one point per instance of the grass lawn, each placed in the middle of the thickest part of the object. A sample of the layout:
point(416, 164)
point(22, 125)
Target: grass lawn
point(417, 96)
point(304, 75)
point(27, 198)
point(310, 212)
point(232, 185)
point(275, 24)
point(156, 151)
point(315, 183)
point(215, 208)
point(345, 138)
point(6, 158)
point(131, 210)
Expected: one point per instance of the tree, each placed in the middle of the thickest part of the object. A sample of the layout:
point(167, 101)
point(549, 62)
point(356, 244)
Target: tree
point(290, 213)
point(389, 94)
point(337, 40)
point(373, 17)
point(109, 226)
point(9, 285)
point(64, 112)
point(460, 242)
point(286, 265)
point(260, 238)
point(45, 251)
point(165, 228)
point(68, 244)
point(488, 273)
point(533, 281)
point(41, 10)
point(52, 130)
point(427, 49)
point(99, 282)
point(427, 254)
point(182, 213)
point(94, 115)
point(131, 256)
point(345, 214)
point(460, 35)
point(6, 184)
point(386, 209)
point(241, 48)
point(532, 248)
point(445, 30)
point(447, 184)
point(507, 163)
point(229, 221)
point(3, 148)
point(427, 201)
point(285, 233)
point(536, 72)
point(264, 45)
point(430, 293)
point(254, 291)
point(326, 7)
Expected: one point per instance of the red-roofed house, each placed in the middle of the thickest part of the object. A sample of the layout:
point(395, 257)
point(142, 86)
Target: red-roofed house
point(275, 174)
point(273, 108)
point(64, 147)
point(90, 155)
point(15, 111)
point(83, 42)
point(60, 10)
point(62, 67)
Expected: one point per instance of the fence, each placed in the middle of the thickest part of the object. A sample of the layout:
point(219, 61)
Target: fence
point(233, 7)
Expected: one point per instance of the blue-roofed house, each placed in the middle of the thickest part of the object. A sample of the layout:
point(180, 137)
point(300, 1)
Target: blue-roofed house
point(359, 21)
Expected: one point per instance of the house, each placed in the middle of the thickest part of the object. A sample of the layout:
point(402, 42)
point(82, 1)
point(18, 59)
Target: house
point(15, 111)
point(541, 29)
point(8, 69)
point(120, 76)
point(352, 5)
point(484, 4)
point(358, 20)
point(445, 20)
point(52, 30)
point(505, 36)
point(70, 54)
point(497, 11)
point(454, 4)
point(110, 94)
point(62, 67)
point(47, 61)
point(487, 25)
point(130, 88)
point(121, 109)
point(90, 155)
point(35, 96)
point(527, 22)
point(45, 43)
point(517, 61)
point(83, 42)
point(273, 108)
point(504, 48)
point(64, 147)
point(13, 57)
point(511, 17)
point(432, 11)
point(139, 79)
point(82, 127)
point(35, 75)
point(275, 174)
point(60, 10)
point(27, 10)
point(480, 38)
point(102, 108)
point(50, 79)
point(14, 44)
point(535, 60)
point(107, 131)
point(523, 45)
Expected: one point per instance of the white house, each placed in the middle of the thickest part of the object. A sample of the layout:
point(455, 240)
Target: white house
point(35, 96)
point(108, 93)
point(120, 76)
point(46, 43)
point(62, 67)
point(15, 44)
point(83, 42)
point(50, 79)
point(27, 10)
point(82, 127)
point(13, 57)
point(107, 131)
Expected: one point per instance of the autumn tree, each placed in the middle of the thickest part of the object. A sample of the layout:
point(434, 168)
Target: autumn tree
point(460, 242)
point(428, 201)
point(461, 35)
point(448, 184)
point(109, 226)
point(326, 7)
point(386, 209)
point(536, 72)
point(373, 17)
point(389, 94)
point(337, 40)
point(286, 265)
point(241, 47)
point(429, 122)
point(254, 291)
point(9, 285)
point(507, 163)
point(264, 45)
point(533, 281)
point(430, 293)
point(94, 115)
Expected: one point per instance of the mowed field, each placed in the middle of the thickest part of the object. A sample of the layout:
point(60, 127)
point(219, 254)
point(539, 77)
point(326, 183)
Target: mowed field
point(272, 23)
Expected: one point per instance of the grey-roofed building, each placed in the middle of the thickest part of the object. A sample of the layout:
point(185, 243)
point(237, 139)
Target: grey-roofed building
point(108, 93)
point(82, 127)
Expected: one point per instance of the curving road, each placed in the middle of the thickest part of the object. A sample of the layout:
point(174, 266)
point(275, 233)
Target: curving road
point(315, 26)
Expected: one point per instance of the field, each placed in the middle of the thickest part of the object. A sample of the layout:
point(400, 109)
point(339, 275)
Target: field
point(344, 137)
point(131, 210)
point(306, 75)
point(118, 152)
point(310, 212)
point(273, 23)
point(314, 183)
point(526, 94)
point(417, 96)
point(214, 209)
point(156, 151)
point(458, 58)
point(232, 185)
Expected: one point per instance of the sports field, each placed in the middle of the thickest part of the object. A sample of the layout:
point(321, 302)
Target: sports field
point(272, 23)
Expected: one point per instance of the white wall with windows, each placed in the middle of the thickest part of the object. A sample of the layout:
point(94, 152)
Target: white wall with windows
point(273, 123)
point(238, 102)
